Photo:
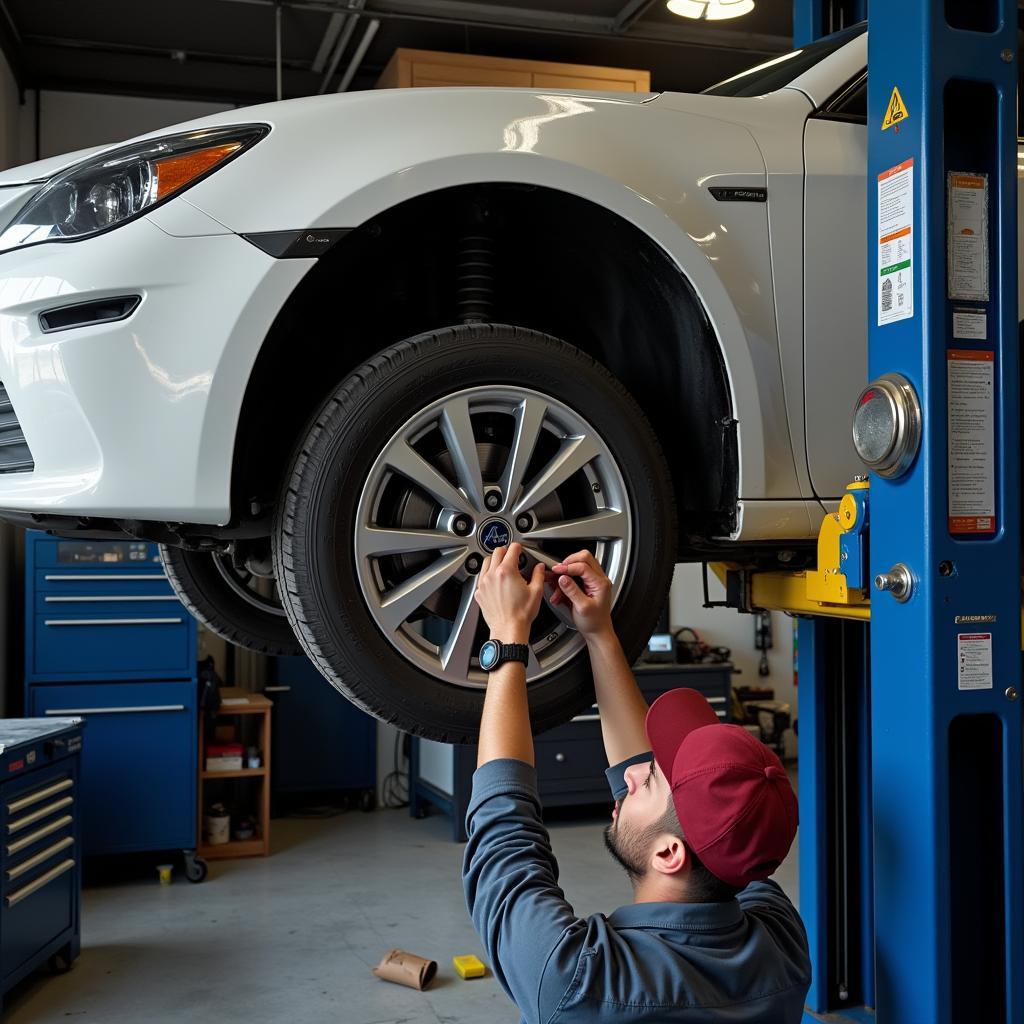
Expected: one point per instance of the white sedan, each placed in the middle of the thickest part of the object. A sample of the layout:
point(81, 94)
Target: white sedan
point(332, 351)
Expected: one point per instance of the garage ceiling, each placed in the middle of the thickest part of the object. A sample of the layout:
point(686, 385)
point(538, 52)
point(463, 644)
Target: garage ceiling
point(224, 50)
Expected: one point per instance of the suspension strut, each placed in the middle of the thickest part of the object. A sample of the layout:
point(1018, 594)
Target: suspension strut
point(475, 292)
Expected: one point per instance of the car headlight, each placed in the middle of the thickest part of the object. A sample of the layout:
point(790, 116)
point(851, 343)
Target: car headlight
point(114, 187)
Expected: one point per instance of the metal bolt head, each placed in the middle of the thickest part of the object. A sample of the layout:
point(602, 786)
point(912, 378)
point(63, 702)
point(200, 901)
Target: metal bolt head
point(461, 525)
point(1011, 693)
point(523, 522)
point(1007, 56)
point(898, 581)
point(473, 564)
point(493, 500)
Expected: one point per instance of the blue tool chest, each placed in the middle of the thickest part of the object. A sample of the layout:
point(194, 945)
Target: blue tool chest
point(40, 847)
point(108, 641)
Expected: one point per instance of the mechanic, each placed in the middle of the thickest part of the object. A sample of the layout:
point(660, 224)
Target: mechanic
point(706, 938)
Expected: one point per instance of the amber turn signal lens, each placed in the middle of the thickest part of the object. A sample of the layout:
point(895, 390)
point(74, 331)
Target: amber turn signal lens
point(173, 172)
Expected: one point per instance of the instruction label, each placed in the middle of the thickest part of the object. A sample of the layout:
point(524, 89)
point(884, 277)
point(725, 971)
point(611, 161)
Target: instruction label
point(896, 243)
point(970, 324)
point(967, 242)
point(974, 661)
point(896, 111)
point(972, 464)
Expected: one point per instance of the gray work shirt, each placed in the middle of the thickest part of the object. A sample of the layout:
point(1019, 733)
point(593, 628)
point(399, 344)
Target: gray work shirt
point(741, 961)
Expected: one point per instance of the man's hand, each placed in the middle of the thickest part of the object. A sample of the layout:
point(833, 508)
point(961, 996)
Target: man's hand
point(581, 584)
point(508, 602)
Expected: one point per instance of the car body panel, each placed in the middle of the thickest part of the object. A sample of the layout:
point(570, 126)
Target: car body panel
point(135, 419)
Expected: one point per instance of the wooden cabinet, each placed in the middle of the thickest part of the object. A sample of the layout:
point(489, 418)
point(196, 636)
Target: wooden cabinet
point(430, 68)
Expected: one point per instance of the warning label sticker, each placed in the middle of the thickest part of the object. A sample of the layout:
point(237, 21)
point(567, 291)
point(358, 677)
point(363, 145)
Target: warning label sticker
point(967, 230)
point(896, 111)
point(970, 324)
point(974, 661)
point(972, 491)
point(896, 243)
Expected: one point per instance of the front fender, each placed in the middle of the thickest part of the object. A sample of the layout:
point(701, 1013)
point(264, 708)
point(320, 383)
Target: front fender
point(340, 161)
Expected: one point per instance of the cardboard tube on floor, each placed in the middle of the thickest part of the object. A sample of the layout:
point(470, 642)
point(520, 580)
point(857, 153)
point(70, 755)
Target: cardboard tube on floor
point(406, 969)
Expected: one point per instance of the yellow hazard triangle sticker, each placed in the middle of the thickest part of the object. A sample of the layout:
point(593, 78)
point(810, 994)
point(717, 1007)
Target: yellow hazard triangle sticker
point(896, 111)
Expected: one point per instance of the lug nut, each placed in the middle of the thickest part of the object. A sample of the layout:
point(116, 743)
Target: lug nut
point(493, 500)
point(522, 562)
point(473, 564)
point(523, 523)
point(461, 525)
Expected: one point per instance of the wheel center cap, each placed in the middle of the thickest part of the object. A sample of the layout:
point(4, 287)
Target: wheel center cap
point(495, 533)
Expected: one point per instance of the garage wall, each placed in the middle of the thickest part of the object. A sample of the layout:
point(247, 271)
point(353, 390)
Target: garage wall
point(76, 120)
point(723, 627)
point(10, 117)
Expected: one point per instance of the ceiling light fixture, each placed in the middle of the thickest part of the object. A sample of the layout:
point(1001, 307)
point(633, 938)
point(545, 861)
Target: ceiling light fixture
point(710, 10)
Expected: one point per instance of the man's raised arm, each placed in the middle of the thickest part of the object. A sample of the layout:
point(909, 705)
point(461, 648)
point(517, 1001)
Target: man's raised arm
point(583, 586)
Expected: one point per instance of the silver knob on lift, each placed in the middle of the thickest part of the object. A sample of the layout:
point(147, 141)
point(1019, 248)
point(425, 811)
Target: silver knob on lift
point(898, 581)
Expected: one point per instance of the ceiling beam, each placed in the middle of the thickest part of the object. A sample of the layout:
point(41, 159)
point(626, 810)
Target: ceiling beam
point(632, 12)
point(477, 14)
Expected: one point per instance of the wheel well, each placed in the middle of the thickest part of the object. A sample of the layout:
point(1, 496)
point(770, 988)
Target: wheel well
point(559, 264)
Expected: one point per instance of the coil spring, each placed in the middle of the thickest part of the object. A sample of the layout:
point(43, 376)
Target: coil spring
point(475, 294)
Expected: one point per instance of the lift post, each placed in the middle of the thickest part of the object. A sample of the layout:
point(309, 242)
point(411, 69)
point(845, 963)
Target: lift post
point(946, 755)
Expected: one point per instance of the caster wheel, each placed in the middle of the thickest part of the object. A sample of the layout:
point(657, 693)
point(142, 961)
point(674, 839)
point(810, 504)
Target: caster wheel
point(367, 800)
point(60, 962)
point(196, 869)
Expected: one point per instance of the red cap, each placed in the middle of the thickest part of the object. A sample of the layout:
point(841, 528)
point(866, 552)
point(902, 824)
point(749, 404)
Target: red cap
point(732, 795)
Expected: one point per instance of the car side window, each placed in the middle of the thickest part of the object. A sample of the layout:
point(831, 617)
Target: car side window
point(849, 104)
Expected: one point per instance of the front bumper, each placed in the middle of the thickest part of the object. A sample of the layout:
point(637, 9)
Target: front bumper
point(135, 419)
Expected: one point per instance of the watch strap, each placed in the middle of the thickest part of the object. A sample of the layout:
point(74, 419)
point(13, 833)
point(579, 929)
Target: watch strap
point(514, 652)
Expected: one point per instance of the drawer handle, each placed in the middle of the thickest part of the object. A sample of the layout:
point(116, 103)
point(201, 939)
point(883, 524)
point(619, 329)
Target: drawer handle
point(277, 689)
point(559, 757)
point(93, 576)
point(587, 718)
point(112, 622)
point(32, 837)
point(40, 794)
point(57, 805)
point(715, 700)
point(110, 597)
point(115, 711)
point(33, 862)
point(53, 873)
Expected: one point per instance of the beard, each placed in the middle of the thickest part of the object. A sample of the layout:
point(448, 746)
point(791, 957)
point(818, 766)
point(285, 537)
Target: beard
point(623, 845)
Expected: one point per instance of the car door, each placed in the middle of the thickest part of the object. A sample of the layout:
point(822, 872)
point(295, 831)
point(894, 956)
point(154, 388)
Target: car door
point(835, 284)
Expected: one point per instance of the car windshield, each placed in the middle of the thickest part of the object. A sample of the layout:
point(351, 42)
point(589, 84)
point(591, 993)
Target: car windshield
point(779, 72)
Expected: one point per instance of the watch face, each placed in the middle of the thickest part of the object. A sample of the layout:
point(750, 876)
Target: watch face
point(489, 655)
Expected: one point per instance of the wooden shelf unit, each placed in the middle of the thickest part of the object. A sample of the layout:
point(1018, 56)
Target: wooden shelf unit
point(433, 68)
point(259, 845)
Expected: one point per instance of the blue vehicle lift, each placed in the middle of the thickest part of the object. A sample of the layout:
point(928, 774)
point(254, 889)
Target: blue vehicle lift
point(912, 767)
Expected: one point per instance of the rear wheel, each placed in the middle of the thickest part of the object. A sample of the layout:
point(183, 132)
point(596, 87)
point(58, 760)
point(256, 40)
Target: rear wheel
point(237, 603)
point(419, 464)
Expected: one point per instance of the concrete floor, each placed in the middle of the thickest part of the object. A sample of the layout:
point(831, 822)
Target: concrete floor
point(294, 937)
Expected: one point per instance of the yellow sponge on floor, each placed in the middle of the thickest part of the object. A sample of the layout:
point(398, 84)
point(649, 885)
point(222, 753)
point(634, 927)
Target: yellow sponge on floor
point(469, 966)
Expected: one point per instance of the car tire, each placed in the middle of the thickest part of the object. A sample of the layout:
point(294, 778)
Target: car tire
point(324, 579)
point(215, 600)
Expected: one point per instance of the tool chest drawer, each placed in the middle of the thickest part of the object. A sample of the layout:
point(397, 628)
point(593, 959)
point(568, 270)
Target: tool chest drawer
point(80, 645)
point(39, 843)
point(138, 781)
point(99, 610)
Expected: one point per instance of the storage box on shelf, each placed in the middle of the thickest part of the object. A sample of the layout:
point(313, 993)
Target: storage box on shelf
point(251, 708)
point(570, 758)
point(107, 640)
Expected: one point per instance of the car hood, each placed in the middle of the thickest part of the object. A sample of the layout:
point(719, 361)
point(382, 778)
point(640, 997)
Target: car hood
point(42, 170)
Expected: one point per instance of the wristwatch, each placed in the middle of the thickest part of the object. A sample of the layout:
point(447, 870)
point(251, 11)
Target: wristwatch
point(494, 653)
